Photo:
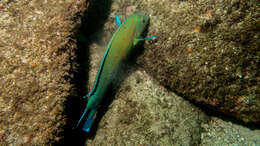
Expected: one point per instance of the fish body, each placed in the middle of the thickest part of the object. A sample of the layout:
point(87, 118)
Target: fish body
point(119, 48)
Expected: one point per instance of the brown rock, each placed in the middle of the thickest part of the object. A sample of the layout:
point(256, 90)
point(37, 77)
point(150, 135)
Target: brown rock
point(35, 53)
point(208, 51)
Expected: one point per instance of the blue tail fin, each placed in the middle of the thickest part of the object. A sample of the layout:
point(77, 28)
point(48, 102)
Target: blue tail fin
point(87, 125)
point(85, 111)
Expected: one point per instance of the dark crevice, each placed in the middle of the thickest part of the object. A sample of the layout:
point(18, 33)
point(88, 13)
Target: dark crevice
point(92, 22)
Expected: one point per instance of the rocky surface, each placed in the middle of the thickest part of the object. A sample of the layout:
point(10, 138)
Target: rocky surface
point(36, 56)
point(142, 112)
point(195, 54)
point(221, 132)
point(145, 113)
point(208, 52)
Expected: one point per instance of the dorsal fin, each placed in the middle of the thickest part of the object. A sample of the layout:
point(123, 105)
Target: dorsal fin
point(118, 21)
point(99, 72)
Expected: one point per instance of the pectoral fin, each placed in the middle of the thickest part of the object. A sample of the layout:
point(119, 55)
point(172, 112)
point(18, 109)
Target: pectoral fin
point(147, 38)
point(142, 39)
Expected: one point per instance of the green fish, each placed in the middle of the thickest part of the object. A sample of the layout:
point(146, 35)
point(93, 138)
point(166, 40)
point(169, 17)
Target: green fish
point(126, 37)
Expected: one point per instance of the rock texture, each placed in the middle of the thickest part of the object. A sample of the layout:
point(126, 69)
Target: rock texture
point(141, 112)
point(220, 132)
point(207, 51)
point(145, 113)
point(197, 53)
point(36, 56)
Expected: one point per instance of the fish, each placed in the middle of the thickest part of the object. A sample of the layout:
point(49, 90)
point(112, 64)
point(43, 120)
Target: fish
point(127, 36)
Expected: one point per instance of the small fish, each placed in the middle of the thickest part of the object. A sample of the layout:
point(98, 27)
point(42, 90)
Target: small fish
point(120, 46)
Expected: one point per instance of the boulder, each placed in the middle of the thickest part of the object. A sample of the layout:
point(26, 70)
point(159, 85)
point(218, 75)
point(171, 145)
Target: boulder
point(208, 52)
point(37, 50)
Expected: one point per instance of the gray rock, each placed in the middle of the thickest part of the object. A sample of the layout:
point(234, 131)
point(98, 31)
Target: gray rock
point(219, 132)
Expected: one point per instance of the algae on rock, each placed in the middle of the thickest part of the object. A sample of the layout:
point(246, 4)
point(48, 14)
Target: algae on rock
point(36, 56)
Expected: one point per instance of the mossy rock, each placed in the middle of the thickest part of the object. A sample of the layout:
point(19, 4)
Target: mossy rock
point(36, 56)
point(207, 51)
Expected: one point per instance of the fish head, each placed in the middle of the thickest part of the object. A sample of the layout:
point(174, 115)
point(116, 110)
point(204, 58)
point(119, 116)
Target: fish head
point(141, 21)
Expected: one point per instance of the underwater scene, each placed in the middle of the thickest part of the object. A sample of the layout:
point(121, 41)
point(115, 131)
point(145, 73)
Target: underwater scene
point(128, 72)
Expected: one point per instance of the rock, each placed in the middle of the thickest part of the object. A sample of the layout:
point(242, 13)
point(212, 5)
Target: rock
point(36, 50)
point(139, 111)
point(220, 132)
point(197, 54)
point(145, 113)
point(208, 52)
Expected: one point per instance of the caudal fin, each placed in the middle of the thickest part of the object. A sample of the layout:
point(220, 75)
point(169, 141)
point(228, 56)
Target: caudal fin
point(87, 125)
point(85, 111)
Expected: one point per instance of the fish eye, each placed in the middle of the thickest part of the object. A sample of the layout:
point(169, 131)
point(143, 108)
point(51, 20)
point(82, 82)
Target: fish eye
point(141, 19)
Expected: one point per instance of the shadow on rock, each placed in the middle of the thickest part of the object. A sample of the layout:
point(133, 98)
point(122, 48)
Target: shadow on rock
point(92, 22)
